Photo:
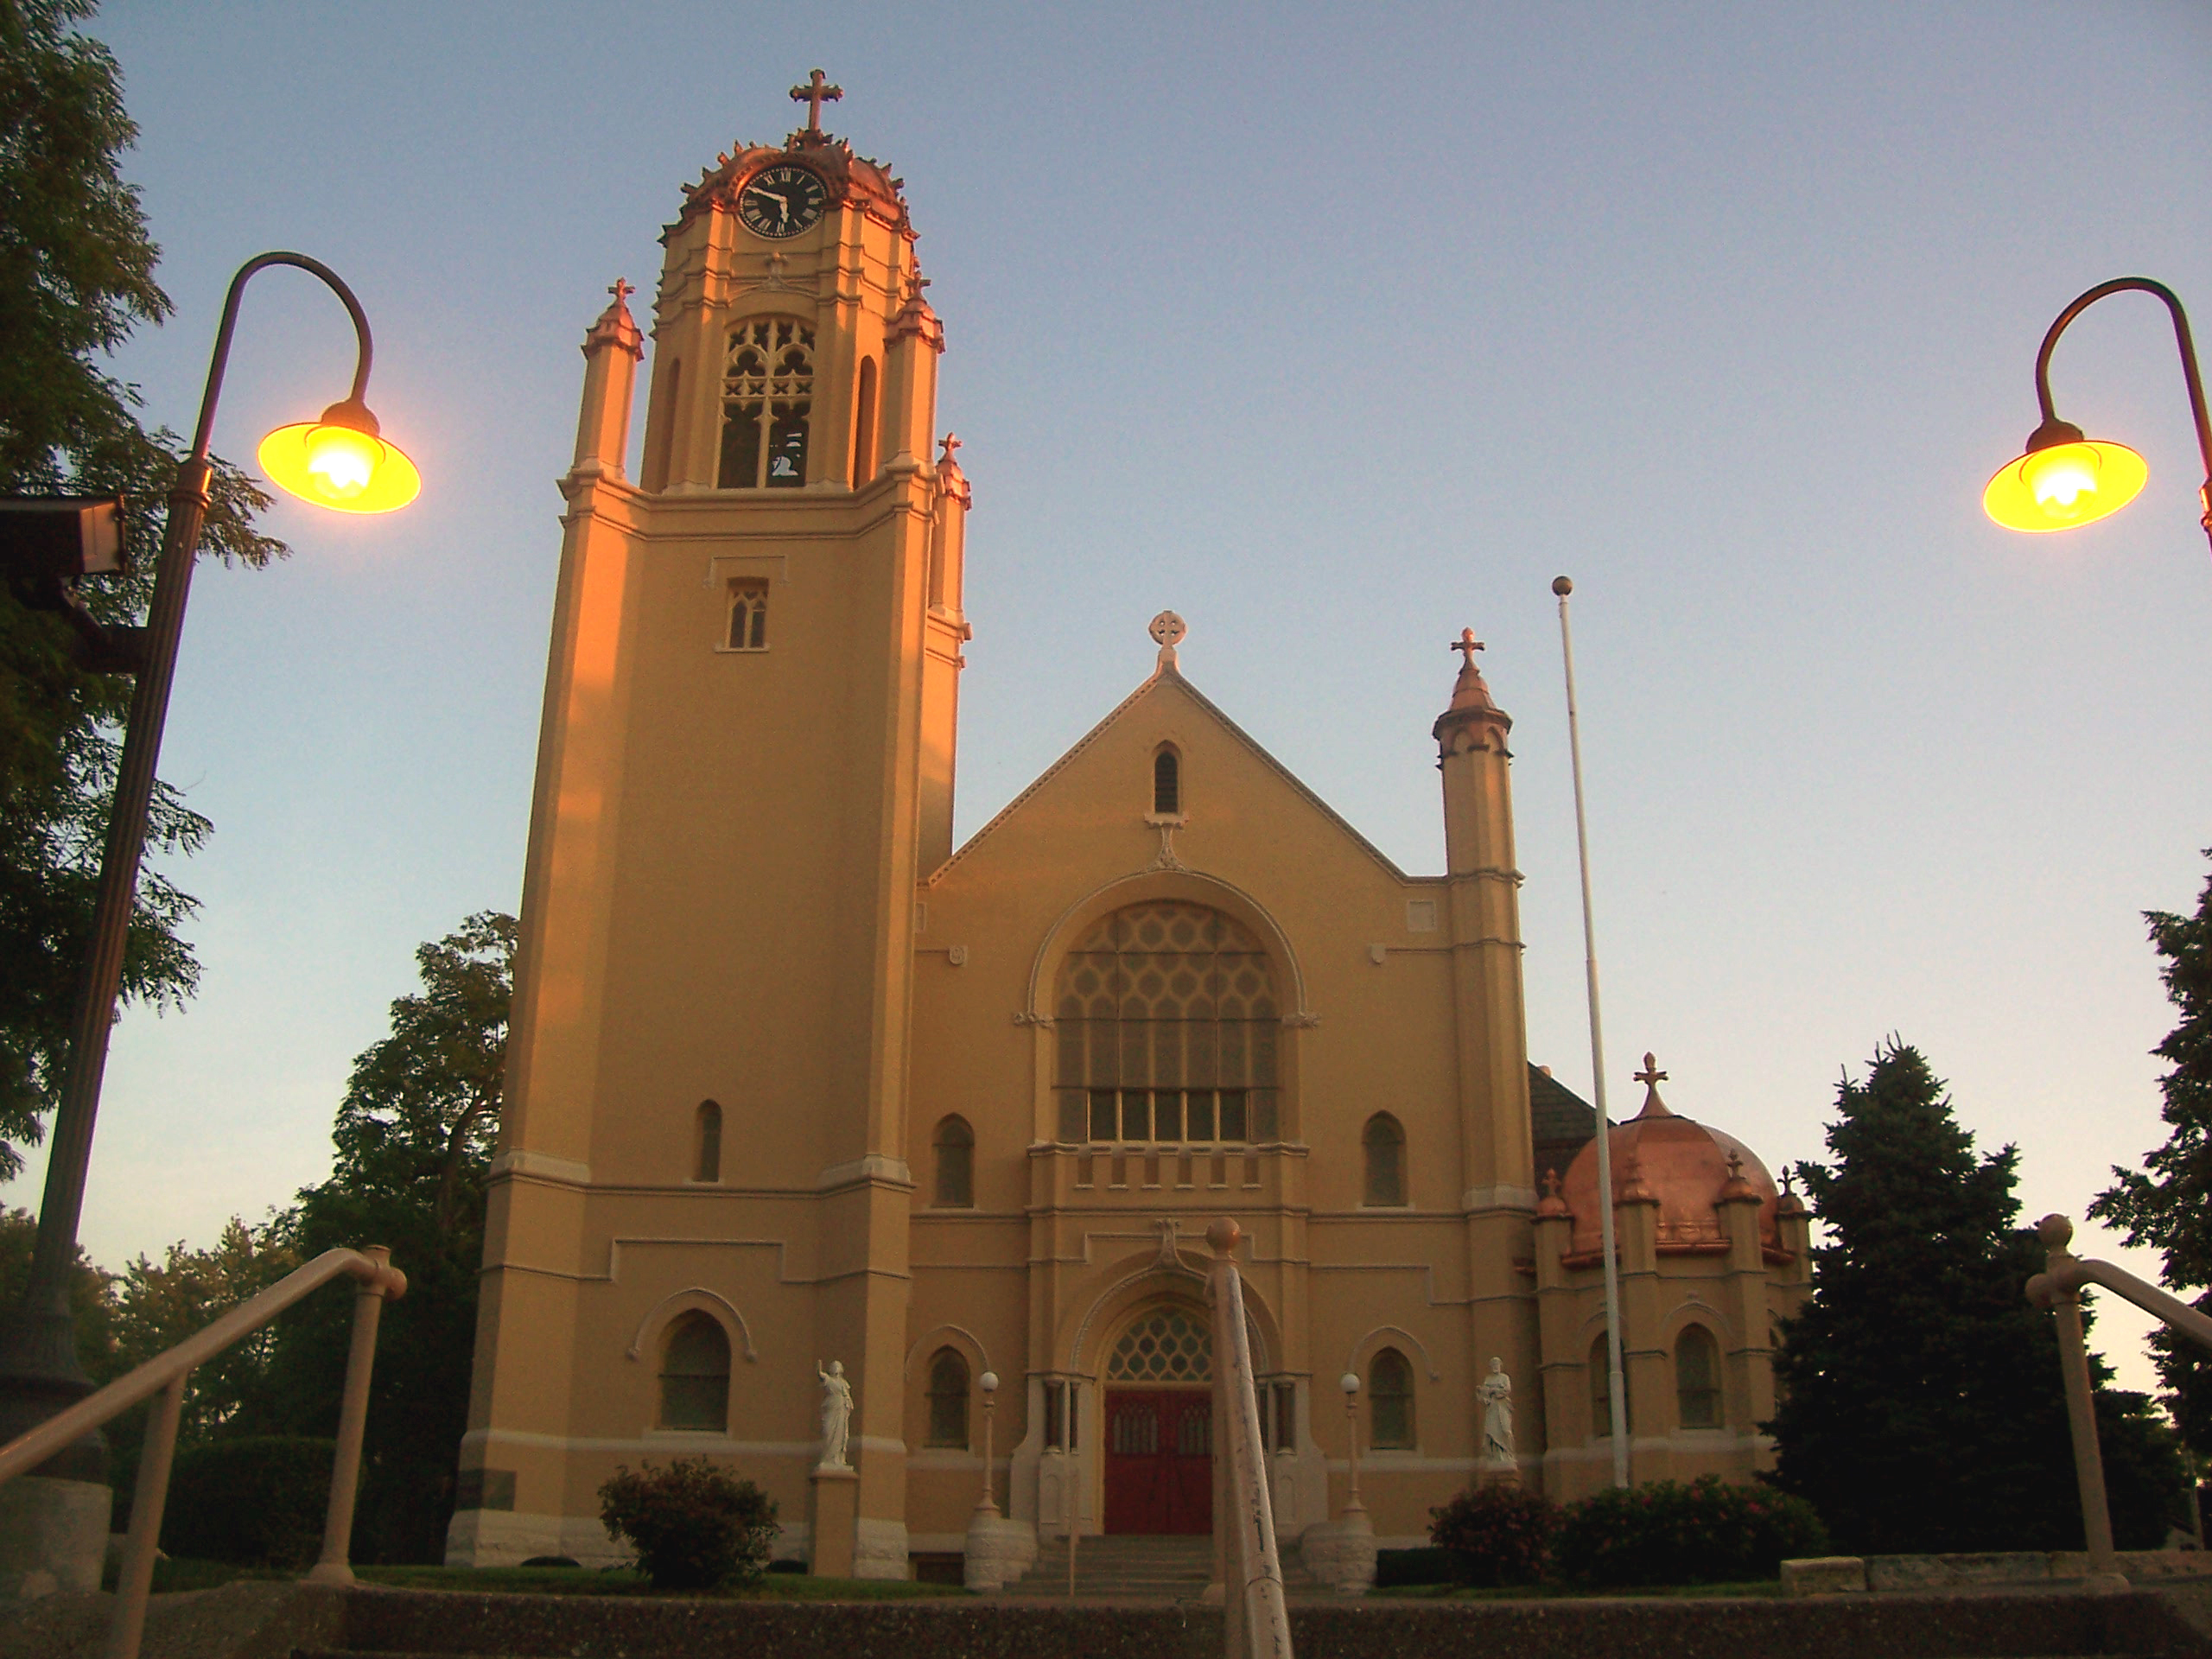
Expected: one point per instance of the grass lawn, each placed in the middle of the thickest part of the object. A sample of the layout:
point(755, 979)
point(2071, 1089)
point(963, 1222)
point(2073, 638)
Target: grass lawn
point(171, 1575)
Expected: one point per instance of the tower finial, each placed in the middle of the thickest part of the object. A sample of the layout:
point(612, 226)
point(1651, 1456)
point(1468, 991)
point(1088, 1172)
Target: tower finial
point(1651, 1076)
point(814, 94)
point(621, 290)
point(1467, 644)
point(1168, 630)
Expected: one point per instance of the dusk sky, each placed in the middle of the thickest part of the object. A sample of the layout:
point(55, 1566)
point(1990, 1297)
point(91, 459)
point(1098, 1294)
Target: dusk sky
point(1335, 330)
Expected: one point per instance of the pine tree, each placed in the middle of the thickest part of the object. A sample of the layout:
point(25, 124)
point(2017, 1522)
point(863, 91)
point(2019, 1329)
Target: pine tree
point(2168, 1203)
point(1921, 1406)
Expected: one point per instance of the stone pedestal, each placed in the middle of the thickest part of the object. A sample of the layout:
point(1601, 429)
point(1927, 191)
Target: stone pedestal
point(1341, 1552)
point(1498, 1474)
point(835, 1508)
point(53, 1535)
point(999, 1551)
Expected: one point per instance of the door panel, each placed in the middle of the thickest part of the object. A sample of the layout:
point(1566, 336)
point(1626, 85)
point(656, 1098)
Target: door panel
point(1159, 1460)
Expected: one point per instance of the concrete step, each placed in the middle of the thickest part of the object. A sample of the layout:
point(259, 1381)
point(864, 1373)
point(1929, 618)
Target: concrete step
point(1137, 1568)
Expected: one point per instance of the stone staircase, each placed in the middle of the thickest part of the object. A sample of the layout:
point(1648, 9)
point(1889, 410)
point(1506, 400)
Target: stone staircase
point(1129, 1568)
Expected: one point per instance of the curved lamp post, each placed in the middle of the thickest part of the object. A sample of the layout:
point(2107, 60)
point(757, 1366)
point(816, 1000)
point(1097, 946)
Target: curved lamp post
point(2065, 479)
point(340, 462)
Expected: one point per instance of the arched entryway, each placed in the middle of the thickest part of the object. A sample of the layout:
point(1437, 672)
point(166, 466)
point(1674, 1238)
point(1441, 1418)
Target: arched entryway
point(1159, 1421)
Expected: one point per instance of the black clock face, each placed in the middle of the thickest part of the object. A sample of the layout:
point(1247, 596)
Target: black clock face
point(782, 201)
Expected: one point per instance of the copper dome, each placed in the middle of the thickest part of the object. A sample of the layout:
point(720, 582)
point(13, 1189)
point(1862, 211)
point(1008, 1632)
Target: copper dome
point(1681, 1164)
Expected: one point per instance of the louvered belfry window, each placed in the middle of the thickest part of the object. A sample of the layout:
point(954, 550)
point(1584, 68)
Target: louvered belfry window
point(1167, 1023)
point(767, 399)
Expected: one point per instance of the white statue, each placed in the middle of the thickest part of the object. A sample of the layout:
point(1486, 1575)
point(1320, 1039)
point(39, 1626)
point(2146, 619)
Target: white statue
point(1496, 1392)
point(837, 1414)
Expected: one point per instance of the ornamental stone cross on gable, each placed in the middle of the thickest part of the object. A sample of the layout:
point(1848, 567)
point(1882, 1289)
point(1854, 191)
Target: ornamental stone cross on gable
point(817, 92)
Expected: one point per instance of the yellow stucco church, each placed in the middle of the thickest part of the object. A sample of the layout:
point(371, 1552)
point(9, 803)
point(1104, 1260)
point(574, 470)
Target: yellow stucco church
point(795, 1080)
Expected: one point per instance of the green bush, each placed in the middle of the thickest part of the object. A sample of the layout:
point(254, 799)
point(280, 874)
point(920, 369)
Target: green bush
point(1498, 1535)
point(256, 1501)
point(1707, 1532)
point(694, 1527)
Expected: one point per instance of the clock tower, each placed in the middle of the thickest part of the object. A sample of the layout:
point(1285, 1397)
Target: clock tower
point(745, 768)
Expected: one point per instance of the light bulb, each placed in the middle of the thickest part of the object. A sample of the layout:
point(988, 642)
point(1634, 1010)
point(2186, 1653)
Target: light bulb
point(341, 461)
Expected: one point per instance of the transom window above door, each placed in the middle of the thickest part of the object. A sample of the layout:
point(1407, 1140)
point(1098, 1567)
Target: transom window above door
point(1170, 1346)
point(1167, 1024)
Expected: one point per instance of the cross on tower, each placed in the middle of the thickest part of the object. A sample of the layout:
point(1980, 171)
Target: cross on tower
point(1652, 1073)
point(1467, 644)
point(621, 290)
point(951, 443)
point(817, 92)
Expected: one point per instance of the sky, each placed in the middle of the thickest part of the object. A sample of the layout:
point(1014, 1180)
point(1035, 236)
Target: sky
point(1335, 329)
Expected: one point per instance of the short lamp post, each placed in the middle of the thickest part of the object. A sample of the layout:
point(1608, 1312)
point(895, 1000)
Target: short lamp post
point(2065, 479)
point(990, 1381)
point(338, 461)
point(1349, 1384)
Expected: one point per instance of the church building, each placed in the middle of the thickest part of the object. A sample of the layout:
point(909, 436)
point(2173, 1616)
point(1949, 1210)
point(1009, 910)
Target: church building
point(794, 1080)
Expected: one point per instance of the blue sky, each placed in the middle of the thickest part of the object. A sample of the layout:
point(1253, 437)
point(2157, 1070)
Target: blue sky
point(1335, 329)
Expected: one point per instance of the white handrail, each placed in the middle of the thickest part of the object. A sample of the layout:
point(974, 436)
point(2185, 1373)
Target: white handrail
point(1256, 1623)
point(166, 1374)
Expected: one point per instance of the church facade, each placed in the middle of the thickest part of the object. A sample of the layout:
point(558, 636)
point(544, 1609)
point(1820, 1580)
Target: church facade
point(794, 1080)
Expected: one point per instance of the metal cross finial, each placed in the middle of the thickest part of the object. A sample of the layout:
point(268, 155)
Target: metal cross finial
point(621, 290)
point(951, 441)
point(817, 92)
point(1652, 1073)
point(1467, 644)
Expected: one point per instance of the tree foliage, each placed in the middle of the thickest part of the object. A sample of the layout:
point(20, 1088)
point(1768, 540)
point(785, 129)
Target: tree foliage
point(76, 276)
point(2168, 1203)
point(1921, 1404)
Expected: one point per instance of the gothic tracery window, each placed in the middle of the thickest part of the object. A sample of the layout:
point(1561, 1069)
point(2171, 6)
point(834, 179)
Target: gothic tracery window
point(1172, 1345)
point(748, 613)
point(1167, 1024)
point(768, 398)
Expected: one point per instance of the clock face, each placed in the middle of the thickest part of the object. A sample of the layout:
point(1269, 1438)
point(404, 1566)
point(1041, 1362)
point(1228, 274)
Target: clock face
point(782, 200)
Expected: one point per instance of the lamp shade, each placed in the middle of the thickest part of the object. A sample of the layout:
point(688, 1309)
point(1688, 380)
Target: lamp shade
point(2062, 485)
point(340, 462)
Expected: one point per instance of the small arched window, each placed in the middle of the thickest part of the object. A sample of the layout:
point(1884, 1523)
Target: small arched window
point(1166, 782)
point(706, 1161)
point(955, 1165)
point(1601, 1395)
point(948, 1399)
point(768, 398)
point(864, 426)
point(1390, 1402)
point(1697, 1378)
point(695, 1375)
point(1385, 1144)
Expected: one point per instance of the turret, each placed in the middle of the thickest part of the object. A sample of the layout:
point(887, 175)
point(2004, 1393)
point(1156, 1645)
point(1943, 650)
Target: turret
point(612, 349)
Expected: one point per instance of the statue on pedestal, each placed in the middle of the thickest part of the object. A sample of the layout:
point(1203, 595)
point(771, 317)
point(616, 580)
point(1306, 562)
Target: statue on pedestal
point(837, 1414)
point(1496, 1392)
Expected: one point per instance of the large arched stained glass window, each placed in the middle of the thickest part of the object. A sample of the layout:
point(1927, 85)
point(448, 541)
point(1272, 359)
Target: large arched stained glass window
point(1167, 1024)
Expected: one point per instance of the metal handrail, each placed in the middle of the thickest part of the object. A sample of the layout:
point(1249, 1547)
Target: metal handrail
point(1256, 1625)
point(166, 1375)
point(2058, 1288)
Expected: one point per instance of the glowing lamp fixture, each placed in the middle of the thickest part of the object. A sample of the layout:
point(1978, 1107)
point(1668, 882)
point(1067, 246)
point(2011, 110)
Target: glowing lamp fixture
point(2065, 478)
point(340, 462)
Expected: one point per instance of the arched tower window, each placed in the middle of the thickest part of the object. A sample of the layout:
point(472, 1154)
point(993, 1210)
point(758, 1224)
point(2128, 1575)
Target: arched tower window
point(707, 1165)
point(1697, 1378)
point(1167, 1022)
point(948, 1399)
point(767, 397)
point(864, 426)
point(955, 1165)
point(748, 613)
point(1390, 1402)
point(695, 1375)
point(1601, 1395)
point(1385, 1144)
point(1167, 782)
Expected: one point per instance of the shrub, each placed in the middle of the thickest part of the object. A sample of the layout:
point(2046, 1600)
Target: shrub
point(256, 1501)
point(1667, 1533)
point(1497, 1535)
point(694, 1527)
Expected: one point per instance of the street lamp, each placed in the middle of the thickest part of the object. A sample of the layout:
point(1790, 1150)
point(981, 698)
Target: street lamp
point(340, 461)
point(1349, 1384)
point(2065, 479)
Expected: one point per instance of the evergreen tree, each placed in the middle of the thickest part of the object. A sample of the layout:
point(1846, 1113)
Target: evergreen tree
point(414, 1140)
point(1922, 1407)
point(2168, 1203)
point(76, 275)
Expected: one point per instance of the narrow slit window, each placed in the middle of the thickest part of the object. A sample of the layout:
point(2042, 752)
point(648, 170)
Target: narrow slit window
point(1390, 1402)
point(1697, 1378)
point(748, 613)
point(1167, 783)
point(864, 426)
point(1385, 1144)
point(955, 1165)
point(767, 404)
point(707, 1165)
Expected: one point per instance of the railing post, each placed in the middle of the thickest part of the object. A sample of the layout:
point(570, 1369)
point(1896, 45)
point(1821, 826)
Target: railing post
point(2056, 1231)
point(334, 1566)
point(135, 1581)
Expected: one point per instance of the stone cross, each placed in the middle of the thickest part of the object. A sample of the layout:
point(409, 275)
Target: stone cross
point(1467, 644)
point(621, 290)
point(1651, 1074)
point(817, 92)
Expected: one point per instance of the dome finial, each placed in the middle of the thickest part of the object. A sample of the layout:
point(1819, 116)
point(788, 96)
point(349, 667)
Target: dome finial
point(1651, 1076)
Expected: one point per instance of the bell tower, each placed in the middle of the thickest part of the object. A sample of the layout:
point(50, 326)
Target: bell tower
point(745, 767)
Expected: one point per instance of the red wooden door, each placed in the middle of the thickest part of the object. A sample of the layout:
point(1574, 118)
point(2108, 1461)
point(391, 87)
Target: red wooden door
point(1159, 1460)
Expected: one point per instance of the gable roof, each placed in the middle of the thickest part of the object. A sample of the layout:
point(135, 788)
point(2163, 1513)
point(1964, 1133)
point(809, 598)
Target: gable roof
point(1165, 674)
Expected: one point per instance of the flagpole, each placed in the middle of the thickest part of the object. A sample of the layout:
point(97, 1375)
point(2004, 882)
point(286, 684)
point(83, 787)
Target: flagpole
point(1616, 1391)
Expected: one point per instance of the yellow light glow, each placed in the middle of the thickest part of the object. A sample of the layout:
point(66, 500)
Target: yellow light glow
point(340, 467)
point(2064, 485)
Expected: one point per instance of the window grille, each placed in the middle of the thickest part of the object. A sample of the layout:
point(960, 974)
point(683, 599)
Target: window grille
point(767, 397)
point(695, 1375)
point(1385, 1144)
point(955, 1165)
point(1169, 1346)
point(1697, 1378)
point(1167, 1024)
point(948, 1399)
point(1390, 1402)
point(748, 613)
